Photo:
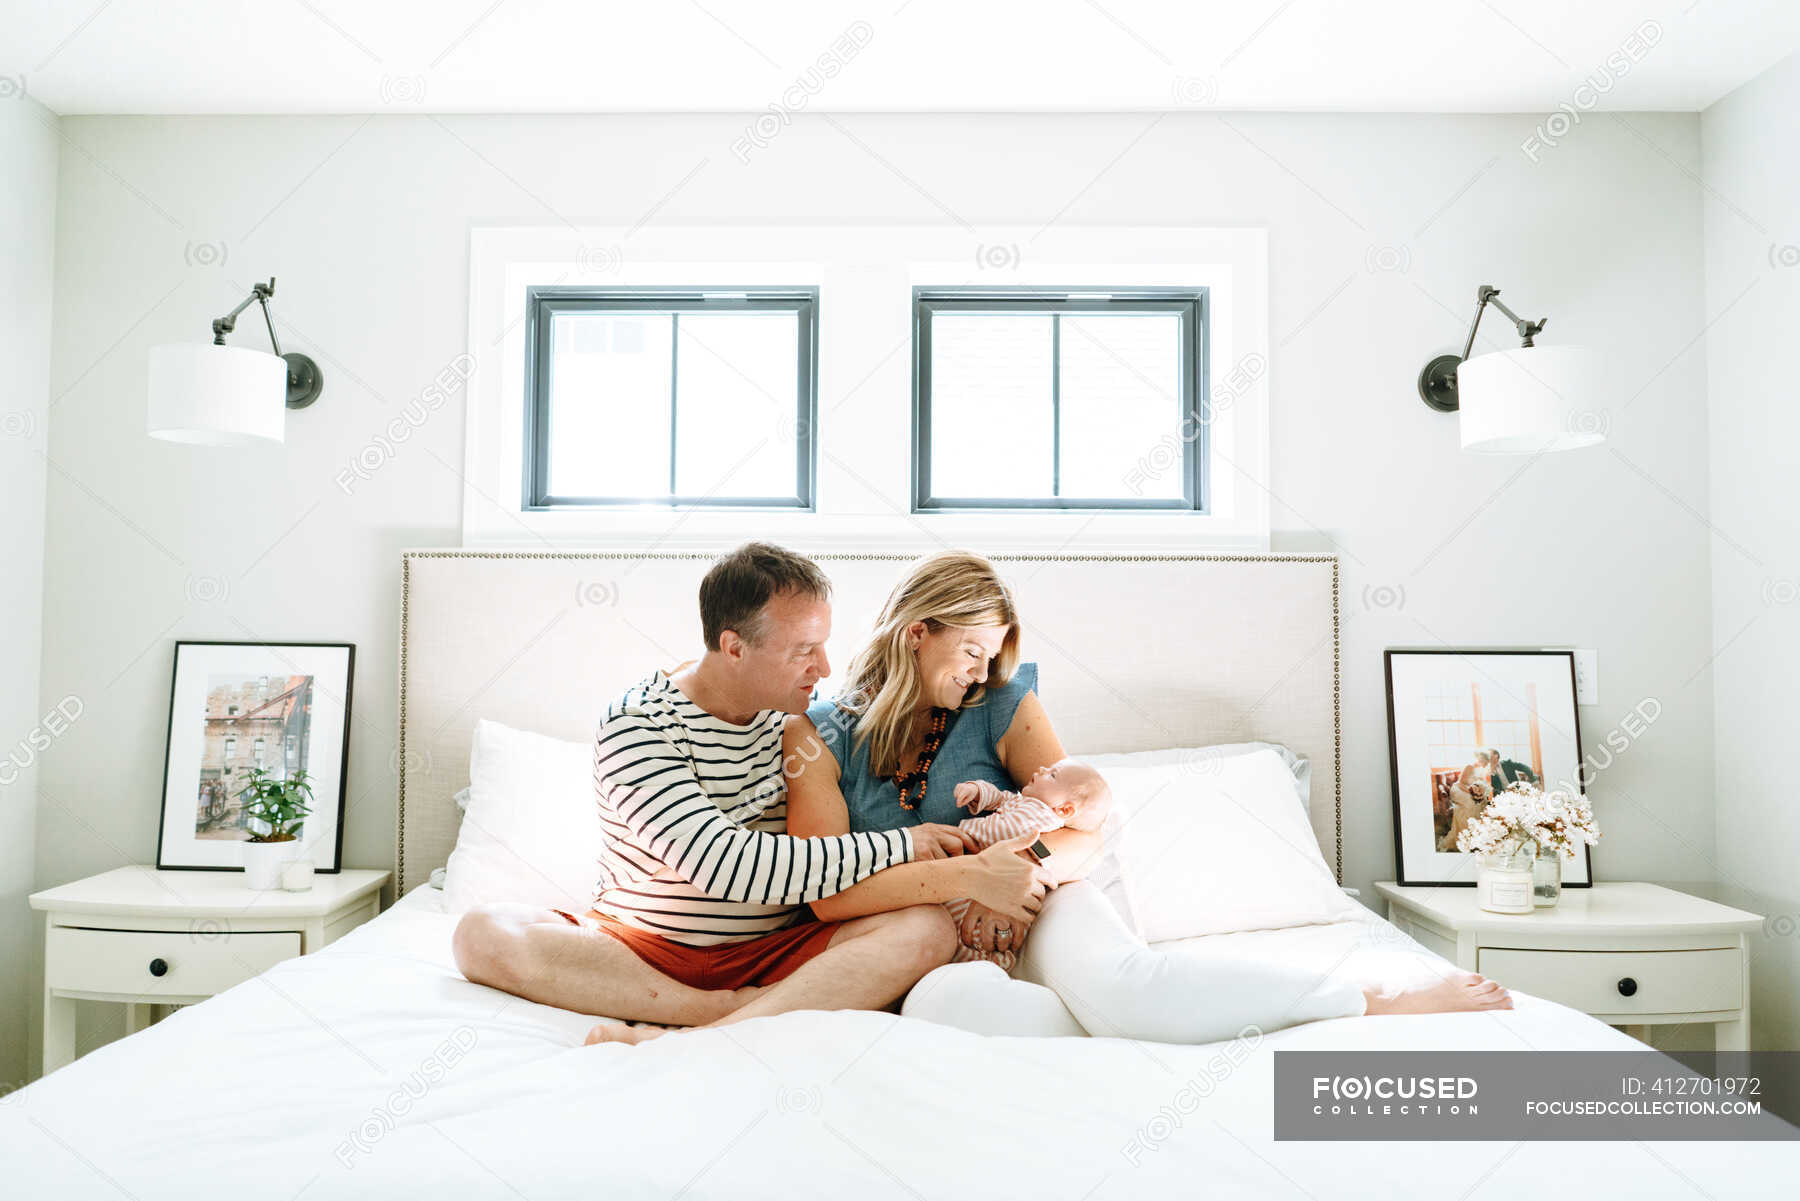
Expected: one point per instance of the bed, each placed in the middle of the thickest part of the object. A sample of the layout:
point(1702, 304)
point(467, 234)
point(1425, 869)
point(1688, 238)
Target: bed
point(373, 1069)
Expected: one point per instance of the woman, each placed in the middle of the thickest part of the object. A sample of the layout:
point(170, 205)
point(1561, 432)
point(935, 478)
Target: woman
point(939, 696)
point(1469, 794)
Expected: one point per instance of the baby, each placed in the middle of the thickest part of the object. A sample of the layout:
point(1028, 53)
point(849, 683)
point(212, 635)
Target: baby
point(1065, 793)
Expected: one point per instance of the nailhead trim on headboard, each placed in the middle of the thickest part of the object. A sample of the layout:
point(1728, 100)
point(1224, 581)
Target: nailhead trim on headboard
point(1337, 728)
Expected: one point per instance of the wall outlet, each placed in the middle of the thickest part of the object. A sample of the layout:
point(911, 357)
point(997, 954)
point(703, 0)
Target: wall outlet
point(1587, 677)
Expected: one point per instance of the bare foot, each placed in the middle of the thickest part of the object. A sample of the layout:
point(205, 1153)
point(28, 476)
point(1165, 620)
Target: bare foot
point(619, 1032)
point(612, 1031)
point(741, 997)
point(1460, 992)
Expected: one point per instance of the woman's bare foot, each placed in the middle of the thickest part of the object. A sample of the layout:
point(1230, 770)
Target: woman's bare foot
point(619, 1032)
point(1460, 992)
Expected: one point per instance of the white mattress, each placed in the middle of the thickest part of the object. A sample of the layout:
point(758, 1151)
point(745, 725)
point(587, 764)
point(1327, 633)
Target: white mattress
point(325, 1077)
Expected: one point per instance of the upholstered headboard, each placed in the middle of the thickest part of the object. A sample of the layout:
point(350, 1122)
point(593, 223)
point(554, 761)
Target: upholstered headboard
point(1134, 653)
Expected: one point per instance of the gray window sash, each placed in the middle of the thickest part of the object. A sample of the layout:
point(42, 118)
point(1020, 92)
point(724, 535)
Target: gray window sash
point(543, 304)
point(1192, 404)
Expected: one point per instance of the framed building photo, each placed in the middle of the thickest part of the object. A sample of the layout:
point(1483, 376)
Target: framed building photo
point(238, 706)
point(1464, 725)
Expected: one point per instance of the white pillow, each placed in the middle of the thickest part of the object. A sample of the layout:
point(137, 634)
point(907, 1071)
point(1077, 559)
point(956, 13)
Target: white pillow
point(1107, 875)
point(1203, 759)
point(531, 830)
point(1225, 849)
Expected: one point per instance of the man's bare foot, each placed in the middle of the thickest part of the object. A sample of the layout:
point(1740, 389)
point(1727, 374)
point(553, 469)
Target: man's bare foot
point(1460, 992)
point(619, 1032)
point(741, 997)
point(612, 1031)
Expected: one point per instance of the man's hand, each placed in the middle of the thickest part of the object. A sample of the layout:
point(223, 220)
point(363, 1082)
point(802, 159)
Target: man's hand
point(934, 841)
point(1008, 881)
point(985, 930)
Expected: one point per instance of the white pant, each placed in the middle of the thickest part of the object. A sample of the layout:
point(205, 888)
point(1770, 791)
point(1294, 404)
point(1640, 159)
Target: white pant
point(1084, 971)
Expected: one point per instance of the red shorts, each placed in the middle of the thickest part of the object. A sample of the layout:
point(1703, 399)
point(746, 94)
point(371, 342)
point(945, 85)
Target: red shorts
point(755, 961)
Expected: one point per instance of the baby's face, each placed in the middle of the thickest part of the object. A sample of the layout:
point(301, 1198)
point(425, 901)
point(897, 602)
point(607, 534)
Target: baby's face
point(1074, 790)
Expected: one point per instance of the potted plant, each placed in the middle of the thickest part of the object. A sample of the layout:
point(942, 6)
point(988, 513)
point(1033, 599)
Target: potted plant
point(274, 810)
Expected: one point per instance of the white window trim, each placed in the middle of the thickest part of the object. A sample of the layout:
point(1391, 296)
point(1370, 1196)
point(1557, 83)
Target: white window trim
point(865, 276)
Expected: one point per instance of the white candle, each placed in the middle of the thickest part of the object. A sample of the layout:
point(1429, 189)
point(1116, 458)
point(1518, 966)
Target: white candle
point(1504, 889)
point(297, 876)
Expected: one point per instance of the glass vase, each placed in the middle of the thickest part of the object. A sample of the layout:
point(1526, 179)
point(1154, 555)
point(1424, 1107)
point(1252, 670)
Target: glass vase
point(1546, 879)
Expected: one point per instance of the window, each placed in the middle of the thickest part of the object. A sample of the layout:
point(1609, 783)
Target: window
point(1032, 399)
point(657, 397)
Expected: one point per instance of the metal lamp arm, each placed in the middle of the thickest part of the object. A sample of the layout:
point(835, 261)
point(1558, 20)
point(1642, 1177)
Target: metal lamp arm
point(304, 380)
point(1437, 381)
point(259, 294)
point(1487, 294)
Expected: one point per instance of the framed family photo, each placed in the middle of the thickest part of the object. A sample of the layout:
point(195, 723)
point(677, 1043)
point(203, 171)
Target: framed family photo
point(235, 707)
point(1464, 725)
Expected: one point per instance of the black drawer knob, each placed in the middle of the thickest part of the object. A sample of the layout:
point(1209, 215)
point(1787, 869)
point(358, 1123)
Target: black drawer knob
point(1627, 987)
point(160, 967)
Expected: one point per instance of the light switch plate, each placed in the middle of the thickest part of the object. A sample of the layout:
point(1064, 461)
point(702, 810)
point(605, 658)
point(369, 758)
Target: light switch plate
point(1587, 677)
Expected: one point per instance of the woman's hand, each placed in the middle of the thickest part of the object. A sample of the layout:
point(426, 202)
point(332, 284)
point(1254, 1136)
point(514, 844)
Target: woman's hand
point(984, 930)
point(1008, 881)
point(934, 841)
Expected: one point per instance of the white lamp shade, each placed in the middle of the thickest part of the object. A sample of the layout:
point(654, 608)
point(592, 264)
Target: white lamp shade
point(1531, 399)
point(216, 395)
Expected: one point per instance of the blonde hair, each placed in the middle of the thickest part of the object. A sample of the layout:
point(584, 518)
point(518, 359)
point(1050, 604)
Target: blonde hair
point(952, 588)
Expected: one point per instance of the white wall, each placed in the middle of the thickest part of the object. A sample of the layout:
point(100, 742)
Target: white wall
point(28, 216)
point(1380, 228)
point(1753, 289)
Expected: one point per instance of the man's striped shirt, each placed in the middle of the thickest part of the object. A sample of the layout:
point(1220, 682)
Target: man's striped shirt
point(694, 810)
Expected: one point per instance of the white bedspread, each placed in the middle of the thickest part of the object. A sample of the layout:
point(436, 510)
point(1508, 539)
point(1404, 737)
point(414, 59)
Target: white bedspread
point(373, 1069)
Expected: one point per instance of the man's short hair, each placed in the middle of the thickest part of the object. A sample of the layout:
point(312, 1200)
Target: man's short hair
point(738, 587)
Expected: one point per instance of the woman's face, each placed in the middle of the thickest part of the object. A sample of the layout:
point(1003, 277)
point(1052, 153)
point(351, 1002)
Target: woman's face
point(952, 660)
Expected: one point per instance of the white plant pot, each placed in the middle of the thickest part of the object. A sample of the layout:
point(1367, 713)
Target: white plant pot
point(263, 862)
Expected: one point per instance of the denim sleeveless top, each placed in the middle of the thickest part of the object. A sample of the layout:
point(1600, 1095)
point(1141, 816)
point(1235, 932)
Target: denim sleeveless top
point(967, 754)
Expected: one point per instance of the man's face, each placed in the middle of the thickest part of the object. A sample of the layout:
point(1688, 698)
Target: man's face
point(781, 671)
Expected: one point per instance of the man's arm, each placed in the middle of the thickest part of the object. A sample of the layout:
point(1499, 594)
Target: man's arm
point(815, 808)
point(650, 788)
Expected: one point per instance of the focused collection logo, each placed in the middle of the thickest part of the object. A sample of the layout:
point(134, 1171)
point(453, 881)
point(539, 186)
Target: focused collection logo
point(1394, 1095)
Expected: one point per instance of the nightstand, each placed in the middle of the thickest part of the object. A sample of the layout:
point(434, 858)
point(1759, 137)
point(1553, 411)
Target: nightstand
point(1633, 955)
point(146, 937)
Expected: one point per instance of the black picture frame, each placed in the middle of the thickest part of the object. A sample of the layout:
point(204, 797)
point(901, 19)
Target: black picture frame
point(1420, 875)
point(168, 858)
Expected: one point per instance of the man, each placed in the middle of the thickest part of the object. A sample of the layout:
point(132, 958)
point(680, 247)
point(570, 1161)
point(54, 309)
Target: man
point(1504, 773)
point(700, 916)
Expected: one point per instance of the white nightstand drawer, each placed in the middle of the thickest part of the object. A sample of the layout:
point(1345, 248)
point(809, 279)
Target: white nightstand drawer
point(172, 964)
point(1622, 982)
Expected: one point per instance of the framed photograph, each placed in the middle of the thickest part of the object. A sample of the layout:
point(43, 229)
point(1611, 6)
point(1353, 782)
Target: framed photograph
point(1464, 725)
point(236, 706)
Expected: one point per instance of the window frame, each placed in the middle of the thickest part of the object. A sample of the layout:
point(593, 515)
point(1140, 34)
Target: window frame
point(545, 302)
point(1191, 304)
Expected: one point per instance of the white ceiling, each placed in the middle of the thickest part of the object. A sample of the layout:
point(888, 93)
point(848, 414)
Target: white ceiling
point(333, 56)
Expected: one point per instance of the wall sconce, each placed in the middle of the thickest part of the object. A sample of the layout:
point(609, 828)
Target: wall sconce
point(1517, 401)
point(220, 395)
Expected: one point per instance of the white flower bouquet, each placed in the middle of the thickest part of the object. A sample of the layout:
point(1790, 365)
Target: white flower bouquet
point(1526, 820)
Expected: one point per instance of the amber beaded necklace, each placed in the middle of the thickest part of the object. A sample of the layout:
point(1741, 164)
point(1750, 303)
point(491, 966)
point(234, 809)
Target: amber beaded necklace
point(935, 725)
